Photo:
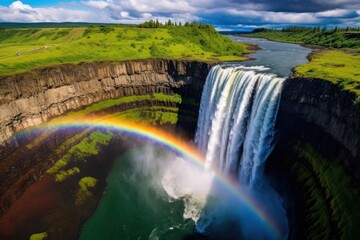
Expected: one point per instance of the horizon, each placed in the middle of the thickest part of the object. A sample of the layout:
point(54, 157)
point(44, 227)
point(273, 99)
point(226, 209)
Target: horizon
point(231, 16)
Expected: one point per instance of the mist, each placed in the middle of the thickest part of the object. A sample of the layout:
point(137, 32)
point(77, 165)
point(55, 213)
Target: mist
point(216, 209)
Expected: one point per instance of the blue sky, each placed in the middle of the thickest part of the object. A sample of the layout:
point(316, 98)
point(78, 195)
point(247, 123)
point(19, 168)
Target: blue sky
point(224, 14)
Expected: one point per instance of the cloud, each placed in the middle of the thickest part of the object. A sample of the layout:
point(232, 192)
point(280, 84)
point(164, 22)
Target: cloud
point(236, 17)
point(159, 6)
point(18, 5)
point(19, 12)
point(96, 4)
point(229, 14)
point(300, 5)
point(338, 13)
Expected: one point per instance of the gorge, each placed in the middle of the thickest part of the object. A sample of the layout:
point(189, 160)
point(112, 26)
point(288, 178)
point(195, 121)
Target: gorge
point(316, 154)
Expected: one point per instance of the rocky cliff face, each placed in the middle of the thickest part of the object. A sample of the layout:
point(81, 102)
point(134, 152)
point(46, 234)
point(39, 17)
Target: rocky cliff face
point(319, 152)
point(34, 97)
point(320, 113)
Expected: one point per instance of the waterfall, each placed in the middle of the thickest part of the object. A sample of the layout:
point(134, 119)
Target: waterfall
point(236, 134)
point(236, 126)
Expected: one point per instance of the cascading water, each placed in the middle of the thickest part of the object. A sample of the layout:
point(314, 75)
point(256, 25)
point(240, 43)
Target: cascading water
point(236, 133)
point(236, 126)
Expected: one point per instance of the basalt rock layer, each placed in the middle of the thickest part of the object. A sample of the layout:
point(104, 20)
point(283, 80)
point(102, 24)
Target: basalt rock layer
point(34, 97)
point(319, 151)
point(322, 114)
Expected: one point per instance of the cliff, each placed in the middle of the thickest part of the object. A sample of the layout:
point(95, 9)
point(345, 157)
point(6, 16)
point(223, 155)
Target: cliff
point(322, 114)
point(34, 97)
point(319, 152)
point(319, 132)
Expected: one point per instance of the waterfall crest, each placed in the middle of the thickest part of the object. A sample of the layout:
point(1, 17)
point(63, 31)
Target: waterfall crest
point(236, 126)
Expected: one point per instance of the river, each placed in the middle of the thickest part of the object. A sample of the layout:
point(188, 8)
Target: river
point(279, 57)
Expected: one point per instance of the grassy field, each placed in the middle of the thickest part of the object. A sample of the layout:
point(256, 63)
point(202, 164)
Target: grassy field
point(348, 38)
point(22, 49)
point(339, 67)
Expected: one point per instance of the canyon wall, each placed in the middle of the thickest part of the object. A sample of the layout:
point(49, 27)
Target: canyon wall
point(319, 152)
point(322, 114)
point(319, 130)
point(34, 97)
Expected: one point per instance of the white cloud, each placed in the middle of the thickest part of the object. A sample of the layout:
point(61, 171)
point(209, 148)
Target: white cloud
point(124, 14)
point(227, 13)
point(336, 13)
point(222, 29)
point(147, 15)
point(159, 6)
point(19, 12)
point(96, 4)
point(18, 5)
point(274, 17)
point(281, 17)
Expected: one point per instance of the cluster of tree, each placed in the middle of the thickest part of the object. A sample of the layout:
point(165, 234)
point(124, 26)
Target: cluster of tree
point(319, 29)
point(157, 24)
point(297, 29)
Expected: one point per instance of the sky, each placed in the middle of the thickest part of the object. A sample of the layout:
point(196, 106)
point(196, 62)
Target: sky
point(224, 15)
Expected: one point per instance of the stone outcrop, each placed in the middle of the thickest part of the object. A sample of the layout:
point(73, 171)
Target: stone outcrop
point(34, 97)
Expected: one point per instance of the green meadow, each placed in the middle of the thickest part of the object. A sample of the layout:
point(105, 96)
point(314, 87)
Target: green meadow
point(336, 66)
point(22, 49)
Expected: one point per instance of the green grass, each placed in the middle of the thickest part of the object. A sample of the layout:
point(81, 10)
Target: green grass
point(150, 115)
point(176, 98)
point(85, 184)
point(330, 196)
point(336, 66)
point(340, 38)
point(39, 236)
point(88, 146)
point(63, 175)
point(41, 47)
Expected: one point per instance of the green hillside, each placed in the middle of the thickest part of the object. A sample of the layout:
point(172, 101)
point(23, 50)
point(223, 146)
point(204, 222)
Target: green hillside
point(332, 38)
point(22, 49)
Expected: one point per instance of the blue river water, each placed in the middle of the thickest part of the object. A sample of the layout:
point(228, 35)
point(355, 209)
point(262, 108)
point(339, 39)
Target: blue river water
point(280, 58)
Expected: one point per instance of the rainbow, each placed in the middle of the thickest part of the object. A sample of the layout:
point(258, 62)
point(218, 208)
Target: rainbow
point(170, 142)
